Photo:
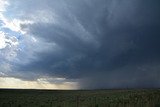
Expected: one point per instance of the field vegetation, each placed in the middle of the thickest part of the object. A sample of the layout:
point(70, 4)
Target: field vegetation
point(80, 98)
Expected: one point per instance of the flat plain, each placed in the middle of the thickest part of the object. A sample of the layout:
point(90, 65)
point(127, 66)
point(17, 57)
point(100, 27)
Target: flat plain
point(80, 98)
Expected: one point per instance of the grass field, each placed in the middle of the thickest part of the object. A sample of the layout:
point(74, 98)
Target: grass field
point(81, 98)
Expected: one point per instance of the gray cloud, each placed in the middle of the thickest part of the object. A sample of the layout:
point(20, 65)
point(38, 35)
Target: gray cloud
point(104, 44)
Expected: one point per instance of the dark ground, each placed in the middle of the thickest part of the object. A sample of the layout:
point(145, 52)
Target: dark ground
point(80, 98)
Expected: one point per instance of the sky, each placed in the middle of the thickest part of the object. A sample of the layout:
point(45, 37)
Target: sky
point(79, 44)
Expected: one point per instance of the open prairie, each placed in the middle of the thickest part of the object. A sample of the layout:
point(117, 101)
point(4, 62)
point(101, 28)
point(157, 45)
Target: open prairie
point(80, 98)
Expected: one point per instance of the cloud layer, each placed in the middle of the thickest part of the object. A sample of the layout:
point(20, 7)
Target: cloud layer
point(99, 44)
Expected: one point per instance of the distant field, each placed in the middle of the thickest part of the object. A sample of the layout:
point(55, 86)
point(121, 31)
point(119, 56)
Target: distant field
point(81, 98)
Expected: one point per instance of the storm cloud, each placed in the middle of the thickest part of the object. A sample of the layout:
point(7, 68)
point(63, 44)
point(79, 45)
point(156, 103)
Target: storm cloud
point(98, 43)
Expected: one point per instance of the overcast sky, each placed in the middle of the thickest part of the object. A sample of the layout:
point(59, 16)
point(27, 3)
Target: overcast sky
point(79, 44)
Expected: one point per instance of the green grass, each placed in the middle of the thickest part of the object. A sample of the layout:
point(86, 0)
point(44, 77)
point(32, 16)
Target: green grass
point(80, 98)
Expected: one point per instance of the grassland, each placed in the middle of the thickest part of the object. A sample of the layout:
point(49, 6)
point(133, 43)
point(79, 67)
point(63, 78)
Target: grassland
point(80, 98)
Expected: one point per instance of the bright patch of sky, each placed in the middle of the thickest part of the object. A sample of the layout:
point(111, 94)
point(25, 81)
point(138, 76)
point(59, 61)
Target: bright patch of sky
point(40, 83)
point(18, 47)
point(11, 34)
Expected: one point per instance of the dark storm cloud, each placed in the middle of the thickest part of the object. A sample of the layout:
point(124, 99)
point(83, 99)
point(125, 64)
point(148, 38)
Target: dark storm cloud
point(103, 43)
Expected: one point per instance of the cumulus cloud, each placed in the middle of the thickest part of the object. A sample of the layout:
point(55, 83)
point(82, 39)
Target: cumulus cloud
point(99, 44)
point(8, 46)
point(3, 4)
point(2, 41)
